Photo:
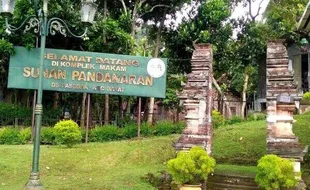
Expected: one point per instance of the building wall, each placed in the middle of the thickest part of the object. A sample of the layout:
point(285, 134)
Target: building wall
point(294, 55)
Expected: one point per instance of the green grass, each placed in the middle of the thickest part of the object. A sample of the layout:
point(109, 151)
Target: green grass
point(302, 128)
point(121, 164)
point(113, 165)
point(242, 143)
point(236, 170)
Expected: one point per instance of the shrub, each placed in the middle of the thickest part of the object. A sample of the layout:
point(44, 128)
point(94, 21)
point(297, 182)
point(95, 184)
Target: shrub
point(13, 111)
point(83, 133)
point(130, 131)
point(126, 120)
point(67, 132)
point(217, 119)
point(306, 96)
point(10, 136)
point(235, 119)
point(163, 128)
point(25, 135)
point(191, 167)
point(146, 129)
point(105, 133)
point(178, 127)
point(275, 173)
point(256, 116)
point(47, 135)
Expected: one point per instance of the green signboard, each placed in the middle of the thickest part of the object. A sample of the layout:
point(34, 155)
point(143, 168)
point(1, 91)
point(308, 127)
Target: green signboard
point(89, 72)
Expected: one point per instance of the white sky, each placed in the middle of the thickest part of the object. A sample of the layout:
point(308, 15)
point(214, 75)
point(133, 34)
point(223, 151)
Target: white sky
point(241, 11)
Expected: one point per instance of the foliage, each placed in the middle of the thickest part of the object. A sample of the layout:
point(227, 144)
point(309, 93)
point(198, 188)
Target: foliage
point(126, 120)
point(25, 135)
point(256, 116)
point(234, 119)
point(163, 128)
point(191, 167)
point(178, 127)
point(159, 180)
point(207, 26)
point(146, 129)
point(14, 111)
point(282, 17)
point(305, 99)
point(130, 131)
point(275, 173)
point(67, 132)
point(306, 96)
point(105, 133)
point(47, 135)
point(217, 119)
point(10, 135)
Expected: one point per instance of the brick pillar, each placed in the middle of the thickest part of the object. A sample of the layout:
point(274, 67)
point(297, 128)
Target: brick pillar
point(197, 101)
point(282, 99)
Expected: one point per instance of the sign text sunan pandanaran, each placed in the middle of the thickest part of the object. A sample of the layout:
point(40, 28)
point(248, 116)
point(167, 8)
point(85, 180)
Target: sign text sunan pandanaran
point(78, 71)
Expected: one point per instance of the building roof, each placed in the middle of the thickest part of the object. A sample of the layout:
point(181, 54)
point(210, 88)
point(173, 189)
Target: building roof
point(304, 22)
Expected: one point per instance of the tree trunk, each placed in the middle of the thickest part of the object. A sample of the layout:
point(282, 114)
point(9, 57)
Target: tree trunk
point(106, 100)
point(225, 102)
point(1, 94)
point(9, 97)
point(120, 108)
point(245, 87)
point(156, 54)
point(82, 124)
point(106, 109)
point(134, 17)
point(56, 99)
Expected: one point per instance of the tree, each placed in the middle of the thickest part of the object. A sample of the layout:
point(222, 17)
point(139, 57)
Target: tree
point(211, 25)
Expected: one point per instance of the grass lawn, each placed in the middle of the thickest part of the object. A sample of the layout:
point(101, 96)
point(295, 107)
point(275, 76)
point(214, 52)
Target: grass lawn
point(96, 166)
point(242, 143)
point(120, 165)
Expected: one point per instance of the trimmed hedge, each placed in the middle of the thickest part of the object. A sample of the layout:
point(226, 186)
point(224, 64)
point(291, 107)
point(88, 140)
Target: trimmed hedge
point(10, 135)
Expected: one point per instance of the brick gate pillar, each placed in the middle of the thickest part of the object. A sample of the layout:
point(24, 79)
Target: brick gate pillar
point(282, 99)
point(197, 101)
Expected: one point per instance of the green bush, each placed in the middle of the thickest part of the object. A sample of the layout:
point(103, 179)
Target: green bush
point(126, 120)
point(305, 99)
point(217, 119)
point(105, 133)
point(83, 133)
point(274, 172)
point(256, 116)
point(25, 135)
point(306, 96)
point(10, 136)
point(13, 111)
point(178, 127)
point(191, 167)
point(130, 131)
point(47, 135)
point(146, 129)
point(67, 132)
point(235, 119)
point(163, 128)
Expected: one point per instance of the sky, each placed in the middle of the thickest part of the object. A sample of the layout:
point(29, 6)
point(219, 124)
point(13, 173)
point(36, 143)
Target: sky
point(241, 11)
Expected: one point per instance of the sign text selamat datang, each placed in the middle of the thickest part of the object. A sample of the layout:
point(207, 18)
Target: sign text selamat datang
point(89, 72)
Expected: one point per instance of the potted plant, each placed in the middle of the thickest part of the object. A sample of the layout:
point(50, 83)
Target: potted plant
point(190, 169)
